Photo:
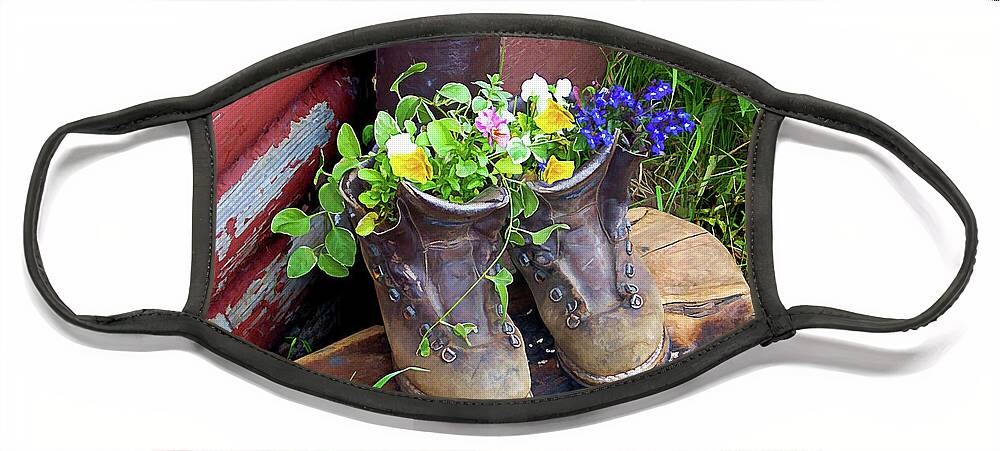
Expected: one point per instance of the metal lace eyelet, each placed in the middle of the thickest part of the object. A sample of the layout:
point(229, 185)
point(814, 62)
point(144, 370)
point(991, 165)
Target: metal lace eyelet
point(635, 301)
point(573, 321)
point(373, 249)
point(629, 270)
point(424, 328)
point(438, 343)
point(628, 247)
point(571, 305)
point(515, 341)
point(540, 276)
point(556, 294)
point(630, 288)
point(524, 260)
point(543, 258)
point(448, 355)
point(409, 312)
point(394, 294)
point(499, 310)
point(507, 328)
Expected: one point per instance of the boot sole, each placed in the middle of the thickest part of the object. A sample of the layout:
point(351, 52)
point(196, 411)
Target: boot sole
point(406, 386)
point(589, 379)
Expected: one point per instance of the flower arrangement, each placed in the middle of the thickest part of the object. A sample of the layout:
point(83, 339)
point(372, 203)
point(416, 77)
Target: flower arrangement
point(456, 144)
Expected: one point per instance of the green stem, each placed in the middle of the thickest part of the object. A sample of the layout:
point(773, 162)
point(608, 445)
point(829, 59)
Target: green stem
point(510, 224)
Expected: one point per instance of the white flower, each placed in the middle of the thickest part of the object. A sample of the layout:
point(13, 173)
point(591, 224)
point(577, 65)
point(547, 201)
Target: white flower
point(563, 88)
point(542, 103)
point(400, 145)
point(534, 87)
point(506, 115)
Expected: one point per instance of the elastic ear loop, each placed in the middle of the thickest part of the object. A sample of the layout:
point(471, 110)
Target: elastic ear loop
point(856, 122)
point(147, 321)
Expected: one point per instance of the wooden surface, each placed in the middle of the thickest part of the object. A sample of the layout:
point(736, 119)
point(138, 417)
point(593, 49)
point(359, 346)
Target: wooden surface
point(705, 296)
point(268, 150)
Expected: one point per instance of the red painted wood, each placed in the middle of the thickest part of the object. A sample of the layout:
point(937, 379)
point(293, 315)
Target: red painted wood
point(239, 125)
point(290, 122)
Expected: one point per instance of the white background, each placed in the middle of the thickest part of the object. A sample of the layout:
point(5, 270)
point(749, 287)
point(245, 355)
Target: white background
point(852, 229)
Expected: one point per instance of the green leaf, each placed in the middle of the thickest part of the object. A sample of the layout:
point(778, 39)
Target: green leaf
point(369, 175)
point(422, 140)
point(465, 168)
point(501, 280)
point(367, 134)
point(319, 168)
point(502, 277)
point(710, 118)
point(367, 224)
point(342, 167)
point(541, 236)
point(425, 347)
point(341, 246)
point(331, 267)
point(440, 134)
point(529, 200)
point(410, 127)
point(301, 262)
point(290, 221)
point(424, 113)
point(347, 142)
point(518, 152)
point(385, 128)
point(745, 105)
point(369, 198)
point(464, 329)
point(479, 104)
point(516, 238)
point(508, 166)
point(385, 379)
point(414, 69)
point(516, 203)
point(456, 92)
point(330, 199)
point(406, 108)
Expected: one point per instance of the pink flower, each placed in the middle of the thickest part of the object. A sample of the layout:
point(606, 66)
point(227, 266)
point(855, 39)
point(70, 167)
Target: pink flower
point(493, 127)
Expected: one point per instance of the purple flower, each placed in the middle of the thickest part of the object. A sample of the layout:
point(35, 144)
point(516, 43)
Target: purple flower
point(614, 108)
point(657, 91)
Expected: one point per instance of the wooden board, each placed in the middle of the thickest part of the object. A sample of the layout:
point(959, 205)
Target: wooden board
point(269, 145)
point(705, 296)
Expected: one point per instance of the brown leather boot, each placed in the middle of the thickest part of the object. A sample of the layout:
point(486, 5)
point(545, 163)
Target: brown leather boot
point(421, 266)
point(592, 291)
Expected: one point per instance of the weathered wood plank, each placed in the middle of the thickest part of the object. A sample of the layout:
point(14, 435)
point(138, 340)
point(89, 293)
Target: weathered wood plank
point(260, 298)
point(705, 296)
point(363, 358)
point(238, 126)
point(282, 128)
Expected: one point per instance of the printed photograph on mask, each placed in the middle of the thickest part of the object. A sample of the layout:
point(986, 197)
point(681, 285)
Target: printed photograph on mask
point(482, 218)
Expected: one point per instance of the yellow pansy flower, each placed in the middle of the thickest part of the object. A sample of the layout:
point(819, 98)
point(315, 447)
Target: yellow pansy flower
point(556, 170)
point(408, 160)
point(554, 118)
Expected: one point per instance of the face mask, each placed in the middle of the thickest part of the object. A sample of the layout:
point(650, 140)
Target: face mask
point(441, 218)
